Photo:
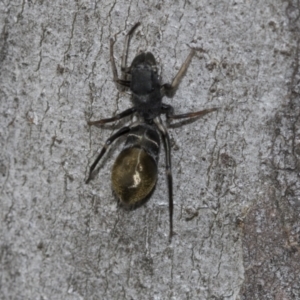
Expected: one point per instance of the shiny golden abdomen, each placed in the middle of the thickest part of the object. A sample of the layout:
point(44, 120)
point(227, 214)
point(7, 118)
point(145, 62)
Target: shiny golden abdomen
point(134, 175)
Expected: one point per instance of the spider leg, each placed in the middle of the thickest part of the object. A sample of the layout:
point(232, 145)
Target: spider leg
point(108, 142)
point(126, 47)
point(112, 61)
point(166, 140)
point(169, 111)
point(119, 116)
point(122, 82)
point(168, 89)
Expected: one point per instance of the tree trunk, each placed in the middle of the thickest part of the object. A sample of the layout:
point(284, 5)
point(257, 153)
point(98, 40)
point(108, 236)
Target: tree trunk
point(235, 171)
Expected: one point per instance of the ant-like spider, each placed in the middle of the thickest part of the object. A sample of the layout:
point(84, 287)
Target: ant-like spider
point(134, 172)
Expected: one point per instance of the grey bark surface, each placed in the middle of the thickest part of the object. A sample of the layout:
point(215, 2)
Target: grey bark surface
point(236, 171)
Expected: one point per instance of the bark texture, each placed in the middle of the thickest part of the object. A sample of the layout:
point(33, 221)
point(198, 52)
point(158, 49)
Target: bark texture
point(236, 171)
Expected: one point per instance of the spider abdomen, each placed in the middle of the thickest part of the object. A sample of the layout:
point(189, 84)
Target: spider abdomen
point(134, 175)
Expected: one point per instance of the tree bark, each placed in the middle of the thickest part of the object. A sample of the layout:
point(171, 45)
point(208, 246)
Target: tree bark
point(235, 171)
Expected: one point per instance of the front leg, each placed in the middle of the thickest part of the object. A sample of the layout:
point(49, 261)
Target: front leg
point(124, 67)
point(168, 89)
point(122, 82)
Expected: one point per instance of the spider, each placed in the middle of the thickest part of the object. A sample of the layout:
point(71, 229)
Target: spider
point(134, 173)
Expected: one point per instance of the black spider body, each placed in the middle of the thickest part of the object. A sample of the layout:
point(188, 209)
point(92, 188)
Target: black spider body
point(134, 172)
